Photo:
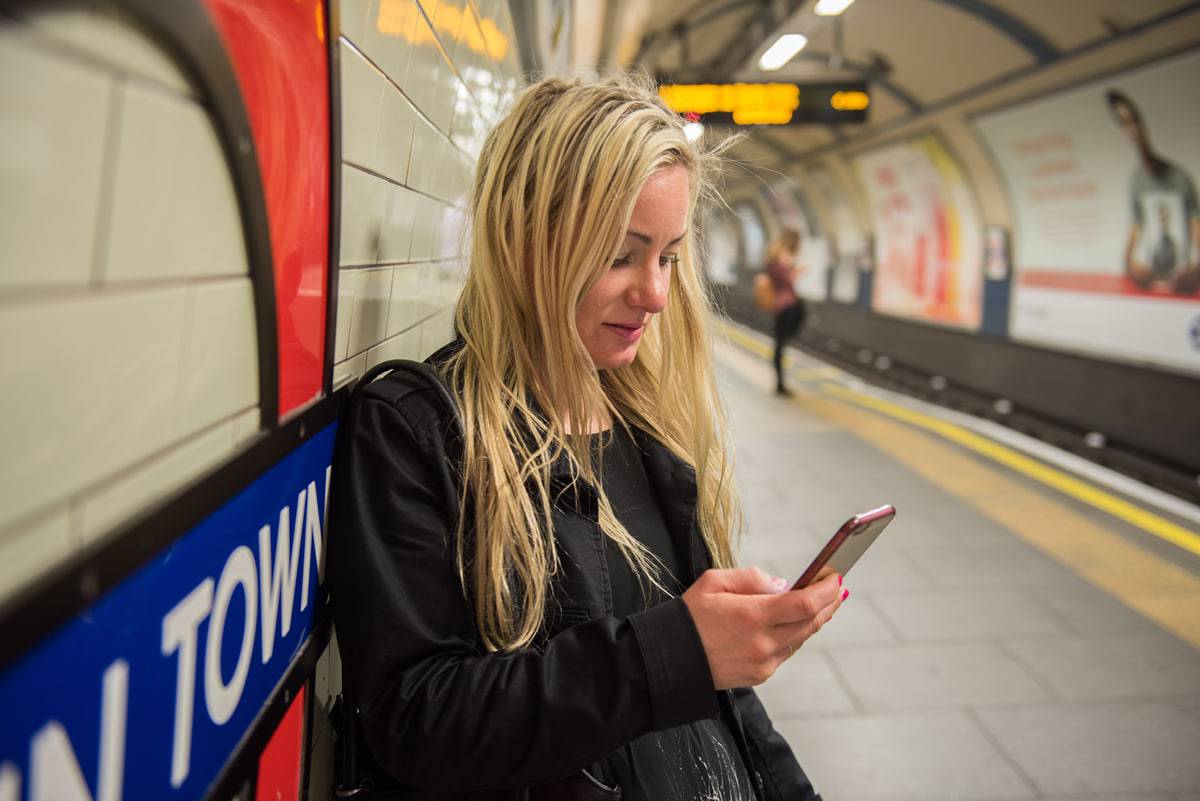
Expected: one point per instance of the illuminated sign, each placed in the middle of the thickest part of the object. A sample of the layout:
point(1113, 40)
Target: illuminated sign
point(402, 19)
point(769, 103)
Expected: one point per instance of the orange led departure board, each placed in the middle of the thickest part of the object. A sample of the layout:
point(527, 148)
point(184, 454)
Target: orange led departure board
point(769, 103)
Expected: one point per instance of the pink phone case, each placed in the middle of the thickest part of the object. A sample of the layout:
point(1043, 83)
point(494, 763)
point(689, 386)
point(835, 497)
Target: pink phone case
point(848, 544)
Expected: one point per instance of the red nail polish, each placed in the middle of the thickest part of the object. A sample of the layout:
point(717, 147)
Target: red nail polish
point(845, 594)
point(839, 580)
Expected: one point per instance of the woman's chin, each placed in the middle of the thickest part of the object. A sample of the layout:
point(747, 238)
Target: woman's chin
point(611, 360)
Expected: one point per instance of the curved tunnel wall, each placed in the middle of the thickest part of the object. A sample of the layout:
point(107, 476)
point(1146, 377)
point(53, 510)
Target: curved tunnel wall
point(1011, 210)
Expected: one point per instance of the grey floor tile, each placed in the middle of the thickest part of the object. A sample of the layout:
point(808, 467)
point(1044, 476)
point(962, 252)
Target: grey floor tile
point(1134, 748)
point(965, 614)
point(1085, 609)
point(935, 675)
point(1010, 564)
point(1112, 798)
point(1113, 665)
point(914, 530)
point(857, 622)
point(885, 568)
point(940, 756)
point(805, 686)
point(965, 525)
point(1190, 705)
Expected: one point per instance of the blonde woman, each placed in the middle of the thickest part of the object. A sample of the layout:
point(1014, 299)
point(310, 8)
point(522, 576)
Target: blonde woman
point(534, 590)
point(789, 309)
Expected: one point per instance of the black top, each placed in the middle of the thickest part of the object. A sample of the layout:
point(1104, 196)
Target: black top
point(439, 717)
point(698, 760)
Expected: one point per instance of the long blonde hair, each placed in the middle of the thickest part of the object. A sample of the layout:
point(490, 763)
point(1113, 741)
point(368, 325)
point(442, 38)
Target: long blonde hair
point(787, 241)
point(554, 191)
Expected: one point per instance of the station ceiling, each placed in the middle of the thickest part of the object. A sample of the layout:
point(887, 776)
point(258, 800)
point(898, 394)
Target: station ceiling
point(918, 55)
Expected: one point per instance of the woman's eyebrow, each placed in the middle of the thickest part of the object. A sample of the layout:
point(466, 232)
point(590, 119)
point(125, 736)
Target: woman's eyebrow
point(648, 239)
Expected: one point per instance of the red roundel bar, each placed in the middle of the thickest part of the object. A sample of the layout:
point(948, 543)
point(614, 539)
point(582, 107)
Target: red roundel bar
point(278, 50)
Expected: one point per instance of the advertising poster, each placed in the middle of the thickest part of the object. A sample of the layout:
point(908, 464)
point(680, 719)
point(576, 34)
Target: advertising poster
point(928, 234)
point(1107, 227)
point(792, 210)
point(846, 241)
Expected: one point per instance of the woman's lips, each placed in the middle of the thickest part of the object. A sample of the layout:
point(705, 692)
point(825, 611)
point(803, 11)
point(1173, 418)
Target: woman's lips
point(631, 333)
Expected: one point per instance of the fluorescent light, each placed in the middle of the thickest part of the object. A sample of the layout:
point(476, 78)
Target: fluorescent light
point(693, 131)
point(831, 8)
point(782, 51)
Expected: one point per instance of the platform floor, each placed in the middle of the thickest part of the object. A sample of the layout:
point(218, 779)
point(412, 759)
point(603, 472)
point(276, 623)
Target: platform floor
point(1023, 630)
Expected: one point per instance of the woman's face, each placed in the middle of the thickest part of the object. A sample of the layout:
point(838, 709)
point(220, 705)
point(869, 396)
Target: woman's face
point(612, 316)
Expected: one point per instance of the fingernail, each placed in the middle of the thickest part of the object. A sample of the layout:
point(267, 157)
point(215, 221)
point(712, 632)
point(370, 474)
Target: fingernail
point(779, 583)
point(839, 580)
point(845, 594)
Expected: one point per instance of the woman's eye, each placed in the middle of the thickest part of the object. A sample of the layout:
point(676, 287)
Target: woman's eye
point(622, 260)
point(670, 260)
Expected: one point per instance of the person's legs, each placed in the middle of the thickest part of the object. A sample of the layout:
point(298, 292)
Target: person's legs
point(781, 336)
point(786, 325)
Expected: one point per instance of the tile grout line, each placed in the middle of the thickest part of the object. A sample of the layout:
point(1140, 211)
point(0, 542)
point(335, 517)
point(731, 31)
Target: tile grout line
point(859, 707)
point(78, 496)
point(108, 183)
point(1002, 646)
point(972, 715)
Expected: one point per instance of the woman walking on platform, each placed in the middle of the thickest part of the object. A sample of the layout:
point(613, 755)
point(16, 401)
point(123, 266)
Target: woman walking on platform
point(789, 309)
point(533, 575)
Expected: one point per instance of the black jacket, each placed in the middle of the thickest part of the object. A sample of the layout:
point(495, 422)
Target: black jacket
point(442, 718)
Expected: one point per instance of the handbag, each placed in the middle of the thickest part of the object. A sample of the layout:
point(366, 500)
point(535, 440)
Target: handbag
point(764, 292)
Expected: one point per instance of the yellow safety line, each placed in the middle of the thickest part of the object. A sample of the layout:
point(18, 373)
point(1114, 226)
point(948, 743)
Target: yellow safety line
point(1163, 592)
point(1069, 485)
point(1147, 521)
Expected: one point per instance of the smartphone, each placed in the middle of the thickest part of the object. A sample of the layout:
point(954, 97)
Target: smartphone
point(848, 544)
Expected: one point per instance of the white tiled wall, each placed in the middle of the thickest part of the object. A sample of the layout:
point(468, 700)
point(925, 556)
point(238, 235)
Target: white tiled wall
point(422, 83)
point(129, 350)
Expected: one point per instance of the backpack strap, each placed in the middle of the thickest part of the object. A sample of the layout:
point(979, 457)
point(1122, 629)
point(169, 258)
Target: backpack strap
point(421, 369)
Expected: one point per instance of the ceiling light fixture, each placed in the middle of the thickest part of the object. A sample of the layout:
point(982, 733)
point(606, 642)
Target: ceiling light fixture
point(782, 51)
point(831, 8)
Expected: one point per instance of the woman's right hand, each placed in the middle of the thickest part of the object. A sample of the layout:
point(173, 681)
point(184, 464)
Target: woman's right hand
point(749, 627)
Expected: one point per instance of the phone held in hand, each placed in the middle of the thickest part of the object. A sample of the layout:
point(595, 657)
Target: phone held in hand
point(848, 544)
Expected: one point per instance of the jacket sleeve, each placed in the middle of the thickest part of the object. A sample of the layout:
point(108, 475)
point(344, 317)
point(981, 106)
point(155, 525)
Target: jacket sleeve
point(436, 711)
point(782, 775)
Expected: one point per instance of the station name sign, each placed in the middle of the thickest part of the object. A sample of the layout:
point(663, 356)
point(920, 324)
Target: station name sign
point(147, 692)
point(769, 103)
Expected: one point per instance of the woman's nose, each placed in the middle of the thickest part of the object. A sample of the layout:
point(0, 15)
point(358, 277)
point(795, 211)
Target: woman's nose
point(649, 289)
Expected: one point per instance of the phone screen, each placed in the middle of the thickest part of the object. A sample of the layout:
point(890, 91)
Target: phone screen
point(848, 544)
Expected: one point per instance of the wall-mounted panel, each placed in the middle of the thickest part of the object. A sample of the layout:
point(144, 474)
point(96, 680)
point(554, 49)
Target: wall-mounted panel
point(848, 243)
point(1107, 240)
point(928, 234)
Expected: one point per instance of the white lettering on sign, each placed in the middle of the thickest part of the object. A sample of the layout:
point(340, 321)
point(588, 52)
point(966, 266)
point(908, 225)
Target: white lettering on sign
point(179, 634)
point(279, 584)
point(10, 783)
point(54, 768)
point(312, 537)
point(53, 772)
point(221, 698)
point(269, 588)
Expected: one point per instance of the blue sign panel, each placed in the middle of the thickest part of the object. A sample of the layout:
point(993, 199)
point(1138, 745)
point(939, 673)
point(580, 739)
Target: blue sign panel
point(146, 693)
